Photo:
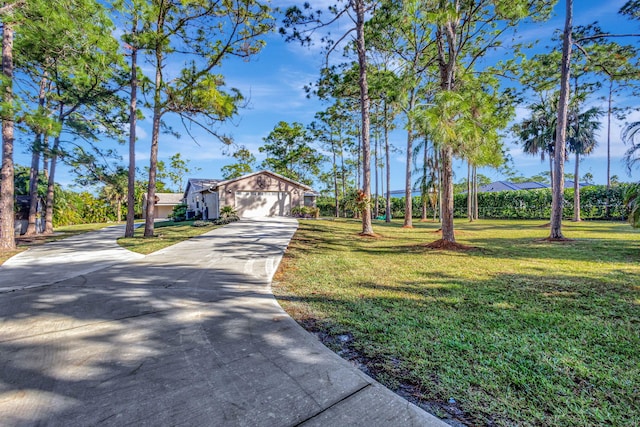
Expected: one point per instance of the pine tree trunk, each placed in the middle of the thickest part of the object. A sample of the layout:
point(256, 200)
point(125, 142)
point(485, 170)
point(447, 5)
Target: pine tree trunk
point(408, 201)
point(607, 209)
point(576, 191)
point(335, 178)
point(155, 135)
point(387, 159)
point(153, 167)
point(367, 228)
point(469, 195)
point(7, 186)
point(437, 165)
point(133, 109)
point(34, 172)
point(48, 216)
point(561, 129)
point(424, 190)
point(33, 186)
point(376, 203)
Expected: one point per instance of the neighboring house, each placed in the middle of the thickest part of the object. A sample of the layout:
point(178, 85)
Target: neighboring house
point(165, 202)
point(400, 193)
point(22, 215)
point(511, 186)
point(569, 184)
point(257, 194)
point(501, 186)
point(514, 186)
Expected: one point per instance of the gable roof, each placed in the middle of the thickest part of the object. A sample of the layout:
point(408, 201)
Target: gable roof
point(199, 184)
point(278, 176)
point(168, 199)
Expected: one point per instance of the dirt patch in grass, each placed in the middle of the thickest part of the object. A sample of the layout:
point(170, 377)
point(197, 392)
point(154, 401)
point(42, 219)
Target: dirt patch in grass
point(374, 236)
point(445, 245)
point(562, 240)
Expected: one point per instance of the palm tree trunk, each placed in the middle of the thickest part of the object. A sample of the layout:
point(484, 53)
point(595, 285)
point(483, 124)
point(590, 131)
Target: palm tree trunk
point(447, 194)
point(475, 193)
point(424, 193)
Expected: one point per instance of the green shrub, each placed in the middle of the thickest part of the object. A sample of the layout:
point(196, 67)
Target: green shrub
point(305, 212)
point(200, 223)
point(179, 213)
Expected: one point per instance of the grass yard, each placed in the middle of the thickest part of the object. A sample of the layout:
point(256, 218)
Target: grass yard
point(167, 233)
point(519, 331)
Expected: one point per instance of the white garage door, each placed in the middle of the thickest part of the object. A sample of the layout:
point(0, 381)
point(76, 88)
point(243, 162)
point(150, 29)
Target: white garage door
point(251, 204)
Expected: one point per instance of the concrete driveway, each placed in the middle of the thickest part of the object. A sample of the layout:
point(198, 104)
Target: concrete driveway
point(190, 335)
point(64, 259)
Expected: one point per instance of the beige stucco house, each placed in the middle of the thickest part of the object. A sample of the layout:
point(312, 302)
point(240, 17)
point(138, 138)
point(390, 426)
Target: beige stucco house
point(165, 202)
point(257, 194)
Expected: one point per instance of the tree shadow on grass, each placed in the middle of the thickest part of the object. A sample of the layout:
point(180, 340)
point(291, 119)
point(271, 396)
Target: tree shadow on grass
point(511, 338)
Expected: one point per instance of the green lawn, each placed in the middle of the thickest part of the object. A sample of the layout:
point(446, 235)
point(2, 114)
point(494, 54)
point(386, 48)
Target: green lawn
point(167, 233)
point(519, 331)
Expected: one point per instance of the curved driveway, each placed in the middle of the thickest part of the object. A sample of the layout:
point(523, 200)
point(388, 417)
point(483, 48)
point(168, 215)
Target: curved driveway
point(190, 335)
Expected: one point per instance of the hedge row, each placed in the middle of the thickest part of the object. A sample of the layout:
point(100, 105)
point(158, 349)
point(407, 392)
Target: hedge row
point(524, 204)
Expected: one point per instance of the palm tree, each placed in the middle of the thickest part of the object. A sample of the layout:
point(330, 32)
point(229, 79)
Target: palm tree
point(632, 200)
point(581, 140)
point(631, 136)
point(537, 133)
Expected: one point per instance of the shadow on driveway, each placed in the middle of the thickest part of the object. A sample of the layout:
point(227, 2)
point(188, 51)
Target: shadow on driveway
point(188, 335)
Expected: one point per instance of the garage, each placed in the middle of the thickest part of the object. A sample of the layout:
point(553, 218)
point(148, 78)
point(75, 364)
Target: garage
point(252, 204)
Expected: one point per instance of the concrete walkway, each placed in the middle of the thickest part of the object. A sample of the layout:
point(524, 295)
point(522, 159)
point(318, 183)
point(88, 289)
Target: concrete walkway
point(190, 335)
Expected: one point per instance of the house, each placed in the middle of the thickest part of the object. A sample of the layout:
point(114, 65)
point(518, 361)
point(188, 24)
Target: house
point(165, 202)
point(257, 194)
point(511, 186)
point(23, 203)
point(514, 186)
point(569, 184)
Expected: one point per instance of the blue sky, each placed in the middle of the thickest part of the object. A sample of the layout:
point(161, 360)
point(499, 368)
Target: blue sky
point(273, 84)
